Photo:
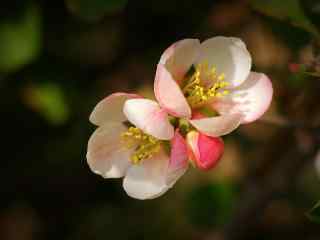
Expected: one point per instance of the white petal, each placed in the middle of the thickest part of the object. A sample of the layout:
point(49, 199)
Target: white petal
point(110, 109)
point(149, 117)
point(251, 99)
point(106, 154)
point(169, 94)
point(228, 56)
point(217, 126)
point(147, 180)
point(179, 57)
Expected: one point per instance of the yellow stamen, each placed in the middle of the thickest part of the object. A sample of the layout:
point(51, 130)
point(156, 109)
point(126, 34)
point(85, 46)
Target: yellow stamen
point(146, 145)
point(204, 85)
point(221, 77)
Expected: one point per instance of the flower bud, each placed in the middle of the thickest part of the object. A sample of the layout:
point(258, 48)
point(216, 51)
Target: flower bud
point(204, 151)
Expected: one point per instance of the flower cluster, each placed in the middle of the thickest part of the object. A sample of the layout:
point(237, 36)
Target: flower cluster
point(203, 91)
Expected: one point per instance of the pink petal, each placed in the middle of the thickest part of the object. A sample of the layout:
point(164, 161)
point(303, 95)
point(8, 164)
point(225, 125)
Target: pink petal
point(179, 57)
point(178, 163)
point(251, 99)
point(169, 94)
point(217, 126)
point(229, 56)
point(106, 155)
point(147, 180)
point(110, 109)
point(149, 117)
point(211, 150)
point(207, 151)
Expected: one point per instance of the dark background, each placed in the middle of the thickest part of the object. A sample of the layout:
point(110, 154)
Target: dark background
point(59, 58)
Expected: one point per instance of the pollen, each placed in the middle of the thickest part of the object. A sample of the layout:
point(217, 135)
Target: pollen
point(145, 145)
point(204, 85)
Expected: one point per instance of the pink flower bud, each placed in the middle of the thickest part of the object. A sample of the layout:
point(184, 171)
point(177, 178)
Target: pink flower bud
point(204, 151)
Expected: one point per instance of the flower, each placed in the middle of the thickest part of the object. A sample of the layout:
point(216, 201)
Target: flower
point(213, 78)
point(131, 142)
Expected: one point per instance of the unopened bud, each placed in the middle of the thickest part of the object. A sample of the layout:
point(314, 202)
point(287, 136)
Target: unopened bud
point(204, 151)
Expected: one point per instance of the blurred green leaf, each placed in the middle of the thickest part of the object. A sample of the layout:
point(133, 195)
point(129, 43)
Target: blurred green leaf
point(314, 213)
point(20, 40)
point(289, 10)
point(211, 204)
point(49, 100)
point(95, 9)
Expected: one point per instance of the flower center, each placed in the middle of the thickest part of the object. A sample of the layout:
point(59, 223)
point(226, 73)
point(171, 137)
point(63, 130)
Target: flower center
point(204, 84)
point(145, 144)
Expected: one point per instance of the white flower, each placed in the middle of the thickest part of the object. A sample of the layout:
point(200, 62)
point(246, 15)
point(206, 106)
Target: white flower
point(220, 80)
point(136, 153)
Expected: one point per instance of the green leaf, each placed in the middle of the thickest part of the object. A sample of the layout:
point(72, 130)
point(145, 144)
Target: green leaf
point(289, 10)
point(20, 40)
point(314, 213)
point(92, 10)
point(49, 100)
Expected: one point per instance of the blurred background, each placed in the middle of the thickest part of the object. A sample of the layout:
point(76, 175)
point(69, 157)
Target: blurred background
point(59, 58)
